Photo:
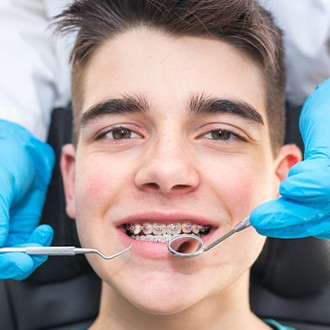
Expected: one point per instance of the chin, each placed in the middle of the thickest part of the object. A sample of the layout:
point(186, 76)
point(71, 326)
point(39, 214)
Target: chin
point(155, 296)
point(162, 304)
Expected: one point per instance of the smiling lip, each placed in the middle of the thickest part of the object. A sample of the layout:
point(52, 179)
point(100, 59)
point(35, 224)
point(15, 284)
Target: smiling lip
point(166, 218)
point(154, 249)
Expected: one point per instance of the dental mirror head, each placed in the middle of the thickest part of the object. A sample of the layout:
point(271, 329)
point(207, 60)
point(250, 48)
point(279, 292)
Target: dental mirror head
point(188, 245)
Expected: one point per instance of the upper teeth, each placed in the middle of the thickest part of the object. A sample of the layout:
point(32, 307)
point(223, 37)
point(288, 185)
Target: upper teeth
point(156, 228)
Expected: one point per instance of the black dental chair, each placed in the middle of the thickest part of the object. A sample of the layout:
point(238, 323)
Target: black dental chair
point(290, 282)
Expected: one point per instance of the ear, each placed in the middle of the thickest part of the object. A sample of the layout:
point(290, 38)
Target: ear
point(68, 175)
point(287, 156)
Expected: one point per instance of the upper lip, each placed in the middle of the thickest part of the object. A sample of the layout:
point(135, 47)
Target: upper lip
point(166, 218)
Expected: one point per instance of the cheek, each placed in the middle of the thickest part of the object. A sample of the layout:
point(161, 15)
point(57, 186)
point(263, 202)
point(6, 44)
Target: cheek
point(89, 189)
point(96, 188)
point(246, 247)
point(98, 179)
point(243, 185)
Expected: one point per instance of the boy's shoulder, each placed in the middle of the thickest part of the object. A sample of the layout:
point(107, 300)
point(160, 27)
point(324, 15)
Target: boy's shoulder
point(277, 326)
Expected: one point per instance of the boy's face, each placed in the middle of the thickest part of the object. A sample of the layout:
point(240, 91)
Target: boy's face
point(174, 131)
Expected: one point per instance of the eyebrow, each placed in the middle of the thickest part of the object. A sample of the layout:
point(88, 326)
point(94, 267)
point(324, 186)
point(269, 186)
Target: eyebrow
point(197, 105)
point(201, 104)
point(126, 104)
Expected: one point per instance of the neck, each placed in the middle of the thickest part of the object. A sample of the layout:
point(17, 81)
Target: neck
point(227, 311)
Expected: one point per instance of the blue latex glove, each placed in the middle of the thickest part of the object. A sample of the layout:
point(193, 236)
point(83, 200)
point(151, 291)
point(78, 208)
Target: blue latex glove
point(25, 171)
point(304, 206)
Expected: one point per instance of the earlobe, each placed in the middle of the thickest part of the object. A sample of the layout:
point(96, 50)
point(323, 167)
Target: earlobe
point(288, 155)
point(68, 175)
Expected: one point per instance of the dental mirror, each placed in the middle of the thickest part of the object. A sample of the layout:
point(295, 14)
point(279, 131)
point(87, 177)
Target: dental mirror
point(189, 245)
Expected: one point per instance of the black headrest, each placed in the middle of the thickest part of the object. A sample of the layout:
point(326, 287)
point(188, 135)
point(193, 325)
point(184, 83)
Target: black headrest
point(293, 268)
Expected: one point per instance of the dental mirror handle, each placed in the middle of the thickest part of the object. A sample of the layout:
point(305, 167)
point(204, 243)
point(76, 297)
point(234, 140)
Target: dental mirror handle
point(239, 227)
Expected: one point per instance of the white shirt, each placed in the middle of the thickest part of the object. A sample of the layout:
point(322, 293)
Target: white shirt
point(306, 27)
point(34, 65)
point(35, 74)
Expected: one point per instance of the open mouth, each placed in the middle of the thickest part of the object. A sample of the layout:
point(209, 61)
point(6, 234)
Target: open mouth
point(162, 233)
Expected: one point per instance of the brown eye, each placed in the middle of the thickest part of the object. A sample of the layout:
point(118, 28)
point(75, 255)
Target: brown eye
point(221, 135)
point(121, 133)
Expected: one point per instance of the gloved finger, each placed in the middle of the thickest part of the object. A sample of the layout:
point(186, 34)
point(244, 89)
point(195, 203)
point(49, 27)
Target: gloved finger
point(4, 221)
point(315, 123)
point(325, 235)
point(42, 235)
point(6, 198)
point(25, 170)
point(306, 219)
point(27, 212)
point(18, 187)
point(308, 181)
point(19, 266)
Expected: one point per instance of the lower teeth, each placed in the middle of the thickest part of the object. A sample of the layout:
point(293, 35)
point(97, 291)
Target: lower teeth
point(153, 238)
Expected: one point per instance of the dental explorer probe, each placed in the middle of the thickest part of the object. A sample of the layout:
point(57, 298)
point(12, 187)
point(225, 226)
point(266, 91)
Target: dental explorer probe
point(189, 245)
point(60, 251)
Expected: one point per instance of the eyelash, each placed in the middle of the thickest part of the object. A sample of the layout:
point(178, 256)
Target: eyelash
point(227, 134)
point(118, 129)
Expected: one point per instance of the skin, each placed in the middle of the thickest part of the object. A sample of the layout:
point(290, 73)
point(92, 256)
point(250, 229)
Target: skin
point(170, 168)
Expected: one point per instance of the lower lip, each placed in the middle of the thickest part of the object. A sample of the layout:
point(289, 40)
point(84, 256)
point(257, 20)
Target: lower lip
point(147, 249)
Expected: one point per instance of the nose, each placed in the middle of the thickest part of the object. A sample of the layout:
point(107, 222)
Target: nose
point(168, 168)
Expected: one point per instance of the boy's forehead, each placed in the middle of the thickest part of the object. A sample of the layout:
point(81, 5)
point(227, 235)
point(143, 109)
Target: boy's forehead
point(155, 66)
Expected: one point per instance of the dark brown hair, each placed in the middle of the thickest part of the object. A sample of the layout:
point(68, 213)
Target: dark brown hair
point(242, 23)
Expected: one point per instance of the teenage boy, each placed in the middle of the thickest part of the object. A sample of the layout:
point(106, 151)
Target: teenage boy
point(179, 125)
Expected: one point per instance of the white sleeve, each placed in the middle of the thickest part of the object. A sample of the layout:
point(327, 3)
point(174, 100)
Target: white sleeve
point(33, 78)
point(306, 27)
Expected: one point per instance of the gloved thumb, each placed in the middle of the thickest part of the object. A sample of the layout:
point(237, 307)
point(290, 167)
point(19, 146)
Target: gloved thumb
point(308, 181)
point(42, 235)
point(314, 123)
point(19, 266)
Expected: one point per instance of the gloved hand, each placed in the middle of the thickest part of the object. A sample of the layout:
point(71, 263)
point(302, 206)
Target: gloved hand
point(25, 171)
point(304, 206)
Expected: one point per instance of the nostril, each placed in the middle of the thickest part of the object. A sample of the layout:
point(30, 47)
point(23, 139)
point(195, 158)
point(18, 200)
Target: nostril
point(181, 187)
point(151, 186)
